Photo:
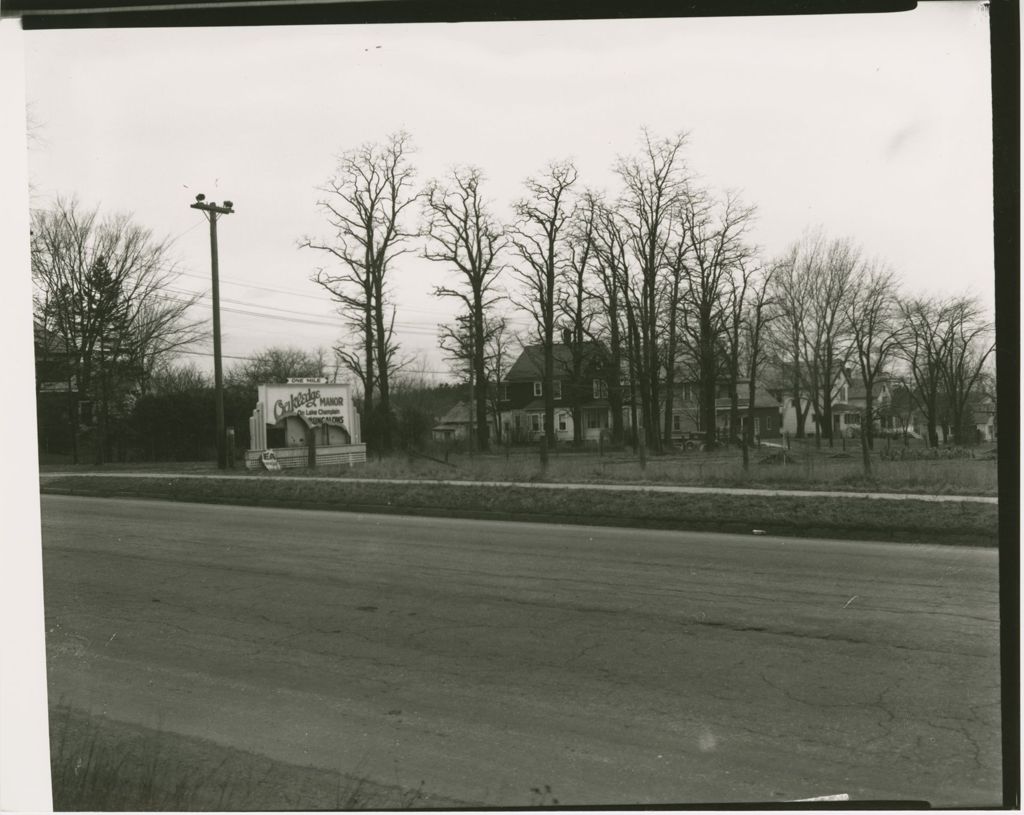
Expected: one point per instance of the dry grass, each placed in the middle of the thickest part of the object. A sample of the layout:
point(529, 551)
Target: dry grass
point(101, 765)
point(811, 469)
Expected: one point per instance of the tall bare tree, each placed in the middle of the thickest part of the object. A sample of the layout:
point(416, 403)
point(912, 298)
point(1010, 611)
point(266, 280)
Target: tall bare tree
point(655, 187)
point(610, 274)
point(462, 234)
point(365, 203)
point(790, 304)
point(759, 313)
point(945, 344)
point(100, 294)
point(813, 286)
point(575, 308)
point(922, 348)
point(870, 312)
point(717, 232)
point(826, 331)
point(969, 343)
point(538, 238)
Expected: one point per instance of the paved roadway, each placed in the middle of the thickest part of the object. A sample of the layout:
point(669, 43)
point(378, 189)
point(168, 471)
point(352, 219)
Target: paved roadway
point(489, 659)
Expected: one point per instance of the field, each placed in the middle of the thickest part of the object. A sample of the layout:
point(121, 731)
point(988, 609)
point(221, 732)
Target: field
point(803, 466)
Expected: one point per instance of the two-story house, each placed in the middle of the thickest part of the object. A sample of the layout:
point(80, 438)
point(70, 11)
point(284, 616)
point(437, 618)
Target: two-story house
point(765, 412)
point(521, 394)
point(849, 404)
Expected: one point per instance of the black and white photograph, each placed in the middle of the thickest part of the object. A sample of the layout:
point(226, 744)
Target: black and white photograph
point(508, 413)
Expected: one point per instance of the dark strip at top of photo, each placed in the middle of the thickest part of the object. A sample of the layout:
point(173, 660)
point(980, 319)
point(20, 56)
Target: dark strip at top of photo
point(47, 14)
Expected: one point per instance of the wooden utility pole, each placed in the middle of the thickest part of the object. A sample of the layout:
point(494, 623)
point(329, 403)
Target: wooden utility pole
point(212, 211)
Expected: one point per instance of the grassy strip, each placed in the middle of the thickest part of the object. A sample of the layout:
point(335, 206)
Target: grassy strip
point(854, 518)
point(807, 468)
point(98, 764)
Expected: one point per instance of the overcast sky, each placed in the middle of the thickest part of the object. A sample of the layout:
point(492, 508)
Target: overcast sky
point(875, 127)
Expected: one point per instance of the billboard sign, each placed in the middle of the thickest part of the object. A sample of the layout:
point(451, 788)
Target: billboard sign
point(316, 403)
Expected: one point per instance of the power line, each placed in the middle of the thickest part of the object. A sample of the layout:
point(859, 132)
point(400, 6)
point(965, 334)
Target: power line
point(300, 317)
point(293, 293)
point(255, 359)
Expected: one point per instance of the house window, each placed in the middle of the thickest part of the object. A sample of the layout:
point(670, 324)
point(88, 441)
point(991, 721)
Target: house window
point(757, 425)
point(767, 422)
point(561, 421)
point(556, 388)
point(600, 389)
point(538, 388)
point(677, 421)
point(687, 392)
point(503, 391)
point(535, 422)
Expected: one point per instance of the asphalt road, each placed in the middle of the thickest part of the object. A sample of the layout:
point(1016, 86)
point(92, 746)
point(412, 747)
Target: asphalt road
point(493, 661)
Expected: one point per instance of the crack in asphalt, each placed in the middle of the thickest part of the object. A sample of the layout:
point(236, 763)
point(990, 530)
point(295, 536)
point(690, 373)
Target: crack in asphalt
point(783, 633)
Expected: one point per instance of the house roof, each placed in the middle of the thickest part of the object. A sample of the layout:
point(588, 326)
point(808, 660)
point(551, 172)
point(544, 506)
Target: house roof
point(456, 415)
point(858, 390)
point(530, 365)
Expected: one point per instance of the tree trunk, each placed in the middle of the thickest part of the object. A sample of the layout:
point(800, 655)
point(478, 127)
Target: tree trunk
point(549, 388)
point(482, 427)
point(734, 414)
point(867, 424)
point(748, 433)
point(865, 452)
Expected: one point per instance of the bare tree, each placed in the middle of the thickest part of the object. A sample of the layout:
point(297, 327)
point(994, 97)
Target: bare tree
point(277, 364)
point(496, 364)
point(757, 318)
point(676, 278)
point(826, 331)
point(100, 293)
point(365, 203)
point(180, 378)
point(458, 340)
point(945, 345)
point(969, 343)
point(870, 312)
point(655, 186)
point(717, 233)
point(575, 308)
point(789, 297)
point(922, 347)
point(812, 290)
point(610, 274)
point(462, 234)
point(538, 239)
point(736, 314)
